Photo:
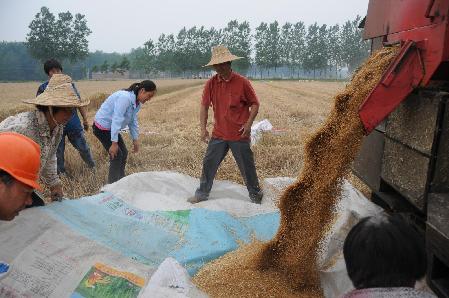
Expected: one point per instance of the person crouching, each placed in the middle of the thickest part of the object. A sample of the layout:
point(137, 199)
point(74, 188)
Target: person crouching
point(54, 108)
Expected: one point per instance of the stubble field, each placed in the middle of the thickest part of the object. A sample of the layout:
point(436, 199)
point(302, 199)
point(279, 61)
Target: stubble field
point(169, 128)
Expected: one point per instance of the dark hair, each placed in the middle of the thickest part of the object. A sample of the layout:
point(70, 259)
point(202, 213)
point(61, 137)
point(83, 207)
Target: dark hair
point(6, 178)
point(44, 109)
point(50, 64)
point(147, 85)
point(384, 251)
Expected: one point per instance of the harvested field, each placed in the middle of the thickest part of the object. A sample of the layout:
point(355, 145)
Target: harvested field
point(11, 94)
point(170, 129)
point(170, 141)
point(288, 264)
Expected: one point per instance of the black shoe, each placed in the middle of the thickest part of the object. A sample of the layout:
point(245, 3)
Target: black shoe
point(256, 198)
point(196, 199)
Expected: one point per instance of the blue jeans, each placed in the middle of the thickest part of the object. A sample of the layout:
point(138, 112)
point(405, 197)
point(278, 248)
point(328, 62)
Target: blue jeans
point(78, 141)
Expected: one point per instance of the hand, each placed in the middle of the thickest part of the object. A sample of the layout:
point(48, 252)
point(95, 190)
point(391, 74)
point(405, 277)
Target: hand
point(245, 131)
point(205, 135)
point(136, 146)
point(56, 192)
point(113, 150)
point(86, 125)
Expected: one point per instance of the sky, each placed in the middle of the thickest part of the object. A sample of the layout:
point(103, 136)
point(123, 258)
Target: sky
point(121, 25)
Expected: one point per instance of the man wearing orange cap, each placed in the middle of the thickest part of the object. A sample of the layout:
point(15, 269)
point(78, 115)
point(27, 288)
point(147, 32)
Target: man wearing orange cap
point(19, 172)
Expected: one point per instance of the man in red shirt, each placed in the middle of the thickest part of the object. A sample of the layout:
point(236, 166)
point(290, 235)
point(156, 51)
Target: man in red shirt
point(235, 106)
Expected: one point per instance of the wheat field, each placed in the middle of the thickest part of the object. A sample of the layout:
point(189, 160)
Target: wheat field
point(169, 126)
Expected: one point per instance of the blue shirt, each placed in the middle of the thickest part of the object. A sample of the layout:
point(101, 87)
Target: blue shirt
point(74, 124)
point(118, 111)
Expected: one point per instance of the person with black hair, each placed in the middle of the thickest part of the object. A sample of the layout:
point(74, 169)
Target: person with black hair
point(118, 111)
point(45, 125)
point(73, 129)
point(384, 257)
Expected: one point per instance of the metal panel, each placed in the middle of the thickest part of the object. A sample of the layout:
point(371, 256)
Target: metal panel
point(433, 45)
point(438, 261)
point(414, 122)
point(403, 75)
point(438, 213)
point(440, 181)
point(368, 164)
point(392, 16)
point(377, 43)
point(406, 170)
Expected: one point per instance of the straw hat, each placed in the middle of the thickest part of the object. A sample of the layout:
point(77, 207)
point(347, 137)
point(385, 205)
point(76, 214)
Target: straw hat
point(59, 93)
point(221, 54)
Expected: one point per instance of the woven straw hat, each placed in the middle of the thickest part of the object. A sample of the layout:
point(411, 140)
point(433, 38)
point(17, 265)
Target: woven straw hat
point(221, 54)
point(59, 93)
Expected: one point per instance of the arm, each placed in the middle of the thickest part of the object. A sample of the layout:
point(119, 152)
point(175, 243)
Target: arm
point(203, 123)
point(118, 117)
point(204, 109)
point(82, 109)
point(134, 132)
point(50, 177)
point(84, 115)
point(252, 114)
point(253, 101)
point(246, 129)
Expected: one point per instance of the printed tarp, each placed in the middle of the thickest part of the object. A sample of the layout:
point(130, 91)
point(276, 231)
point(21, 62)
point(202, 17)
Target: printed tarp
point(114, 241)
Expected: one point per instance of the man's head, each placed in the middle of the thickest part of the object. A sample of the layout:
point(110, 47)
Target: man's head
point(52, 66)
point(60, 115)
point(19, 173)
point(384, 251)
point(14, 196)
point(223, 69)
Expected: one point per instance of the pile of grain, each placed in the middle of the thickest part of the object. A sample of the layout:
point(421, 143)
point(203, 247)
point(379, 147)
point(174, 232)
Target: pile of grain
point(287, 265)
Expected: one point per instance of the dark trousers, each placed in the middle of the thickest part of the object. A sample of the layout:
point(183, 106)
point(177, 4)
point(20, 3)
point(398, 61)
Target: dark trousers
point(215, 153)
point(77, 139)
point(116, 165)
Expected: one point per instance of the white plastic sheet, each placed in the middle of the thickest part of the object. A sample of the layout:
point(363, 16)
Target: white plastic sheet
point(140, 189)
point(350, 209)
point(171, 280)
point(258, 128)
point(34, 233)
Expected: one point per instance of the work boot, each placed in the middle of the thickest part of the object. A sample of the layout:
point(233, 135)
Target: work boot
point(196, 199)
point(256, 198)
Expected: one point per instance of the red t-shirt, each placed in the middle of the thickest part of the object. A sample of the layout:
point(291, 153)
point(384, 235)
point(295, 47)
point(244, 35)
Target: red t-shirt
point(231, 100)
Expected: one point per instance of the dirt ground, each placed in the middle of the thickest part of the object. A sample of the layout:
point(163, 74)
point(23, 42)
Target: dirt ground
point(169, 128)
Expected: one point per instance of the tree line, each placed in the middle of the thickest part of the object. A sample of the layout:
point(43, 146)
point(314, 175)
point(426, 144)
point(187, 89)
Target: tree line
point(294, 46)
point(292, 49)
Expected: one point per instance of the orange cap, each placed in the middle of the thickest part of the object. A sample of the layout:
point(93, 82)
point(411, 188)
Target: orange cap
point(20, 157)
